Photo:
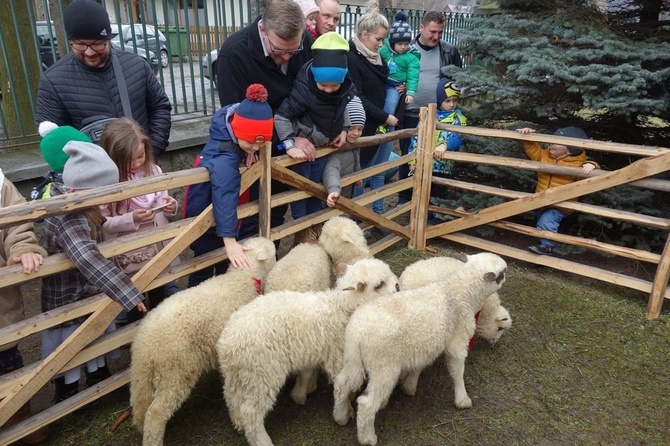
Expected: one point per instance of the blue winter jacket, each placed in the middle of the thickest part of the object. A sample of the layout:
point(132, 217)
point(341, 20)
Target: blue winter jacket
point(222, 157)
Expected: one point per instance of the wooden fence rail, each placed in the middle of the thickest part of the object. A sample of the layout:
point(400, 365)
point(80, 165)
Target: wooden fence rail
point(18, 387)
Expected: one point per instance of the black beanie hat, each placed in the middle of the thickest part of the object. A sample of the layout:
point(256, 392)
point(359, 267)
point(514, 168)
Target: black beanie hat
point(88, 20)
point(400, 30)
point(572, 132)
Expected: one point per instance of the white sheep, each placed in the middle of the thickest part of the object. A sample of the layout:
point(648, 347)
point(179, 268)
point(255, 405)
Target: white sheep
point(306, 267)
point(493, 318)
point(344, 242)
point(174, 344)
point(407, 331)
point(285, 332)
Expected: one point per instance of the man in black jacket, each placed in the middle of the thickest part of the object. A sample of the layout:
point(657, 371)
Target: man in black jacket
point(83, 85)
point(270, 51)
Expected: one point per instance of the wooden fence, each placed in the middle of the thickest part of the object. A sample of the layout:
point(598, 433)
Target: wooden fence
point(86, 343)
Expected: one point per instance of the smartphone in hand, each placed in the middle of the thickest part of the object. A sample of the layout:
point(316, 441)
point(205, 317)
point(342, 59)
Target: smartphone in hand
point(160, 207)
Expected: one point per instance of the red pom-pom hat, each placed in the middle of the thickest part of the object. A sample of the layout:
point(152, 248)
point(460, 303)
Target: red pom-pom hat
point(253, 117)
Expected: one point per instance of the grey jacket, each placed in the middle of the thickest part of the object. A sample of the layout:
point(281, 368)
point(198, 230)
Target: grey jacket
point(340, 164)
point(70, 92)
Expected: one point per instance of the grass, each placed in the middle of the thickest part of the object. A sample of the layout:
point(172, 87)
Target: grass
point(581, 366)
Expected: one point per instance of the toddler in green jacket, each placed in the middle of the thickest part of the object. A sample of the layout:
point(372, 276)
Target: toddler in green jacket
point(403, 63)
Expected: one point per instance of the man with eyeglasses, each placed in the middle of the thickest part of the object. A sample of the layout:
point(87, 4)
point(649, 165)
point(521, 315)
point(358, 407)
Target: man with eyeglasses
point(82, 86)
point(270, 51)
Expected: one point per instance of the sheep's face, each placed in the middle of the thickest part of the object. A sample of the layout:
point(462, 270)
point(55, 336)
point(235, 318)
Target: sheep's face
point(262, 253)
point(338, 232)
point(369, 276)
point(492, 330)
point(493, 266)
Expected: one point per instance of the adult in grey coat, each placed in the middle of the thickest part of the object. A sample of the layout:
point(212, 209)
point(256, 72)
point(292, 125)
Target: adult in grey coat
point(83, 85)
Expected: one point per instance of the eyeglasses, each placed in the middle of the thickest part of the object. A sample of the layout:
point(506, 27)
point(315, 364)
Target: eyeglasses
point(283, 52)
point(97, 46)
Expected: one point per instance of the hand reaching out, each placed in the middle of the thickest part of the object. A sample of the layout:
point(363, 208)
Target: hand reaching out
point(31, 261)
point(332, 198)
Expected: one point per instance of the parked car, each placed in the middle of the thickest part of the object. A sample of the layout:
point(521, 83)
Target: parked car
point(209, 66)
point(48, 47)
point(141, 36)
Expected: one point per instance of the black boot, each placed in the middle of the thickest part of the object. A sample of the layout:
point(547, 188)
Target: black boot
point(64, 391)
point(93, 378)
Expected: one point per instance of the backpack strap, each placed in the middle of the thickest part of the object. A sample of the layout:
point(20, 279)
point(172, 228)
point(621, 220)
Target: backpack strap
point(123, 88)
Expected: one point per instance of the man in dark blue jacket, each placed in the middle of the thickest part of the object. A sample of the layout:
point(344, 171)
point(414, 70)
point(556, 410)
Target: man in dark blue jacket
point(83, 85)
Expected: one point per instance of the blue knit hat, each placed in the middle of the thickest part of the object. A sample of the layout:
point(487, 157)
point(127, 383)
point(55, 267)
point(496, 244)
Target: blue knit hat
point(446, 88)
point(400, 30)
point(253, 117)
point(329, 63)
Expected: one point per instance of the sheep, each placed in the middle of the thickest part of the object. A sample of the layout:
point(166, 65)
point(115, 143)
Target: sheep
point(344, 242)
point(493, 318)
point(306, 267)
point(405, 332)
point(174, 344)
point(285, 332)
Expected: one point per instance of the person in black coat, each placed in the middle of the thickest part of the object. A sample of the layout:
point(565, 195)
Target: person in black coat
point(368, 72)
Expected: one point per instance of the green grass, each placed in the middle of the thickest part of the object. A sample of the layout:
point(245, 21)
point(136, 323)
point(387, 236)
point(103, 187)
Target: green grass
point(581, 366)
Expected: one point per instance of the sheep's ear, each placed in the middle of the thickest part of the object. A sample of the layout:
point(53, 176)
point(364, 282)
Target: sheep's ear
point(349, 288)
point(490, 277)
point(360, 287)
point(347, 238)
point(462, 257)
point(263, 256)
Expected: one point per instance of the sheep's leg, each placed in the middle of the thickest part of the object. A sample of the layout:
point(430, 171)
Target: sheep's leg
point(255, 431)
point(408, 386)
point(158, 414)
point(456, 365)
point(313, 382)
point(346, 382)
point(302, 386)
point(379, 389)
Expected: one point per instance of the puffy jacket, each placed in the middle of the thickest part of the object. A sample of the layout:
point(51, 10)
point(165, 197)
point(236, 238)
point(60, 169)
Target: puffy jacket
point(407, 66)
point(312, 113)
point(222, 158)
point(70, 92)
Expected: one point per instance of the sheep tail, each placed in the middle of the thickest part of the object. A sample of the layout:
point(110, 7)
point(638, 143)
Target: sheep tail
point(353, 368)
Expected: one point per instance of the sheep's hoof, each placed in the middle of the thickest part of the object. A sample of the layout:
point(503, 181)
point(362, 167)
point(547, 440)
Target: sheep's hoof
point(299, 398)
point(465, 403)
point(342, 417)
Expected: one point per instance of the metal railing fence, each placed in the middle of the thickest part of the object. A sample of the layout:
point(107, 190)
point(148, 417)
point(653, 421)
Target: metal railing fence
point(192, 31)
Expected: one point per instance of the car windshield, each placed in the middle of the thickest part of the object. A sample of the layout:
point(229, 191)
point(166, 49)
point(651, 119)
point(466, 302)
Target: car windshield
point(44, 34)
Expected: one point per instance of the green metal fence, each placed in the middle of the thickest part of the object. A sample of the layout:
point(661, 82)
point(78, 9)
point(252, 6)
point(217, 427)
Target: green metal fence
point(188, 33)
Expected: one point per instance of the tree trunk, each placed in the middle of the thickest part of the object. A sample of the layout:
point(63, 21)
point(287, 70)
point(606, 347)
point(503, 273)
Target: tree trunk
point(19, 85)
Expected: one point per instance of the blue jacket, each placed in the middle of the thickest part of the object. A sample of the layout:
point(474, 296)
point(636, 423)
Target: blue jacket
point(451, 139)
point(222, 157)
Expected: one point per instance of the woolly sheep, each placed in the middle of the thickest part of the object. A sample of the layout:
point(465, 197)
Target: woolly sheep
point(306, 267)
point(285, 332)
point(493, 319)
point(344, 241)
point(407, 331)
point(175, 342)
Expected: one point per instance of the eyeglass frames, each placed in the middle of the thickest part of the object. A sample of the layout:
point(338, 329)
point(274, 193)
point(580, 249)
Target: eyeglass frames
point(282, 52)
point(96, 46)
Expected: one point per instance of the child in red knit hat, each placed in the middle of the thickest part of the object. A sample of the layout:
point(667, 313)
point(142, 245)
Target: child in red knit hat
point(237, 133)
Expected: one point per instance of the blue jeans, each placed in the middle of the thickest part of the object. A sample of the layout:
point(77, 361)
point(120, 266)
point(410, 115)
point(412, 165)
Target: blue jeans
point(312, 170)
point(549, 220)
point(392, 99)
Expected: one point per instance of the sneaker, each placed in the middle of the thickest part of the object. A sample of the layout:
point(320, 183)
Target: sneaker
point(541, 249)
point(381, 129)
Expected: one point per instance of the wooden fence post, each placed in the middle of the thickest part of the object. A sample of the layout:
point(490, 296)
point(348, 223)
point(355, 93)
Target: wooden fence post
point(656, 297)
point(264, 192)
point(423, 174)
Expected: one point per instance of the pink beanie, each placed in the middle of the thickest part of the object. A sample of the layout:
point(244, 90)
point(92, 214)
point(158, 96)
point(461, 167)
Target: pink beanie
point(308, 7)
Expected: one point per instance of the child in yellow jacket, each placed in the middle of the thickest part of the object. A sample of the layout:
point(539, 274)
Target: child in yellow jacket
point(549, 219)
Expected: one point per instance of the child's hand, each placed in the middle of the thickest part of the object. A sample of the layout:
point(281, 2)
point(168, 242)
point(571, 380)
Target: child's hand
point(250, 159)
point(359, 183)
point(296, 153)
point(409, 99)
point(525, 130)
point(392, 121)
point(588, 167)
point(171, 208)
point(341, 139)
point(235, 253)
point(143, 216)
point(412, 168)
point(401, 88)
point(438, 153)
point(332, 198)
point(141, 307)
point(31, 261)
